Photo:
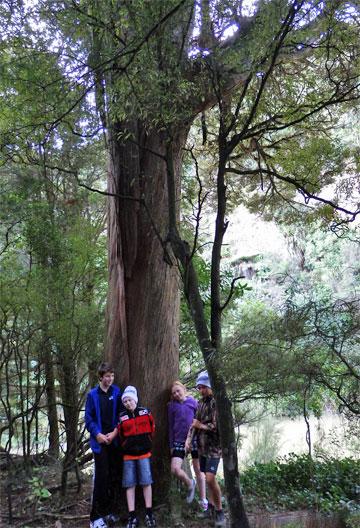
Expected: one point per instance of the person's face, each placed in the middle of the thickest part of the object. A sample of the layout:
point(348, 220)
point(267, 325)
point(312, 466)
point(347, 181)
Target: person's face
point(178, 393)
point(204, 391)
point(107, 380)
point(129, 404)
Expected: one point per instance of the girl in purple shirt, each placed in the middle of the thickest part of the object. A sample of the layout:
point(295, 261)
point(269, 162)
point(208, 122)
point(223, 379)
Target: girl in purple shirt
point(181, 412)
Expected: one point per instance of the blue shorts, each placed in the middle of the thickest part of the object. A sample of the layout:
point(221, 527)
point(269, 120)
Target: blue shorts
point(209, 465)
point(137, 472)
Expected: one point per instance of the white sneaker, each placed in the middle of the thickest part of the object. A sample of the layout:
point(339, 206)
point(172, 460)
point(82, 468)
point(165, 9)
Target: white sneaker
point(203, 505)
point(191, 493)
point(99, 523)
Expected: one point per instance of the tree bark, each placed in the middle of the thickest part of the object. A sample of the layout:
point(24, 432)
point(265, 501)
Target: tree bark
point(225, 418)
point(143, 299)
point(69, 397)
point(53, 449)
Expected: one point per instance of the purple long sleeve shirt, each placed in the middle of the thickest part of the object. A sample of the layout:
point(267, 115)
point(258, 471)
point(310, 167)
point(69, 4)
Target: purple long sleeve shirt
point(180, 417)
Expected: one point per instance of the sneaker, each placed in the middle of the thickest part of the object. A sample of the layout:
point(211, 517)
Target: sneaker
point(220, 518)
point(149, 521)
point(132, 523)
point(111, 519)
point(99, 523)
point(203, 504)
point(191, 493)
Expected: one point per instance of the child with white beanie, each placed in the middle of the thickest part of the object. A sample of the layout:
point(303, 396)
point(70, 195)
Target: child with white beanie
point(136, 428)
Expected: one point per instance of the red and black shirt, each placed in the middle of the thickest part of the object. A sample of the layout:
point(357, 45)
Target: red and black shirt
point(136, 430)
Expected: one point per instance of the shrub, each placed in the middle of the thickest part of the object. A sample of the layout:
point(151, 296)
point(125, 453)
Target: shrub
point(297, 481)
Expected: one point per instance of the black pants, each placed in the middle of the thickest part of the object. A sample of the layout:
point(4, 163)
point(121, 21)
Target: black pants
point(107, 481)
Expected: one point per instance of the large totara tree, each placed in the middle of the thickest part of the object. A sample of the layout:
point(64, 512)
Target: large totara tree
point(154, 66)
point(157, 65)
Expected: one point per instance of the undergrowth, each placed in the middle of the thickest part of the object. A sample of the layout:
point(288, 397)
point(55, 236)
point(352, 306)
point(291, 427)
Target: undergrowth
point(299, 482)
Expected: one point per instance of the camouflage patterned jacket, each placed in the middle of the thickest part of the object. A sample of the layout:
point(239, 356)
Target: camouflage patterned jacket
point(208, 440)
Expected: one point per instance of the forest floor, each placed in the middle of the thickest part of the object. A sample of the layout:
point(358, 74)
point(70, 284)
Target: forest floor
point(31, 498)
point(34, 500)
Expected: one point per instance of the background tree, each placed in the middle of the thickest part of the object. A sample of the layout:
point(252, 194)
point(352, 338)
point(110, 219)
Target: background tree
point(53, 295)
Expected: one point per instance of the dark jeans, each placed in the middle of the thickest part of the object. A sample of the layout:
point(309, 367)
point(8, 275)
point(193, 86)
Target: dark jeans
point(107, 481)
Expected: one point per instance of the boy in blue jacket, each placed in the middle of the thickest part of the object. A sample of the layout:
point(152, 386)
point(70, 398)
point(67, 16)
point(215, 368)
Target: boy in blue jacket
point(103, 406)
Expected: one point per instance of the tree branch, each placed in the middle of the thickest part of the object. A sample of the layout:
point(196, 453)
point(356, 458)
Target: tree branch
point(300, 187)
point(232, 288)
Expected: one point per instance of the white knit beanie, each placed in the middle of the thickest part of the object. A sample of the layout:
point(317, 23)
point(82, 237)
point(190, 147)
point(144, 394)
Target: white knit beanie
point(203, 379)
point(130, 392)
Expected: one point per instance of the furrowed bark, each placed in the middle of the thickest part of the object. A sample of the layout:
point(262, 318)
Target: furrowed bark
point(143, 302)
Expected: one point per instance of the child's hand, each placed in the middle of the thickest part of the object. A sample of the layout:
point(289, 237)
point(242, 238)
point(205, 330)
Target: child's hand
point(187, 446)
point(110, 436)
point(102, 439)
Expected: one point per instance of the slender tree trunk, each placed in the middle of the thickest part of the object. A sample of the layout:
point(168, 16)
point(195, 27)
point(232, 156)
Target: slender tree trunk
point(211, 348)
point(143, 301)
point(238, 516)
point(69, 397)
point(50, 391)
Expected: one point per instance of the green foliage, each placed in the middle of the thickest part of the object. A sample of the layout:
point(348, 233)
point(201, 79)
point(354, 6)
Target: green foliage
point(53, 283)
point(293, 338)
point(37, 489)
point(190, 354)
point(299, 482)
point(57, 59)
point(353, 520)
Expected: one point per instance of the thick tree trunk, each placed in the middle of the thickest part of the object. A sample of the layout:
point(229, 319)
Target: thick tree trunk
point(143, 299)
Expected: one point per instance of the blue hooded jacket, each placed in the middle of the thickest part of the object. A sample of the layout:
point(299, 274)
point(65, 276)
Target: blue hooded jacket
point(93, 416)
